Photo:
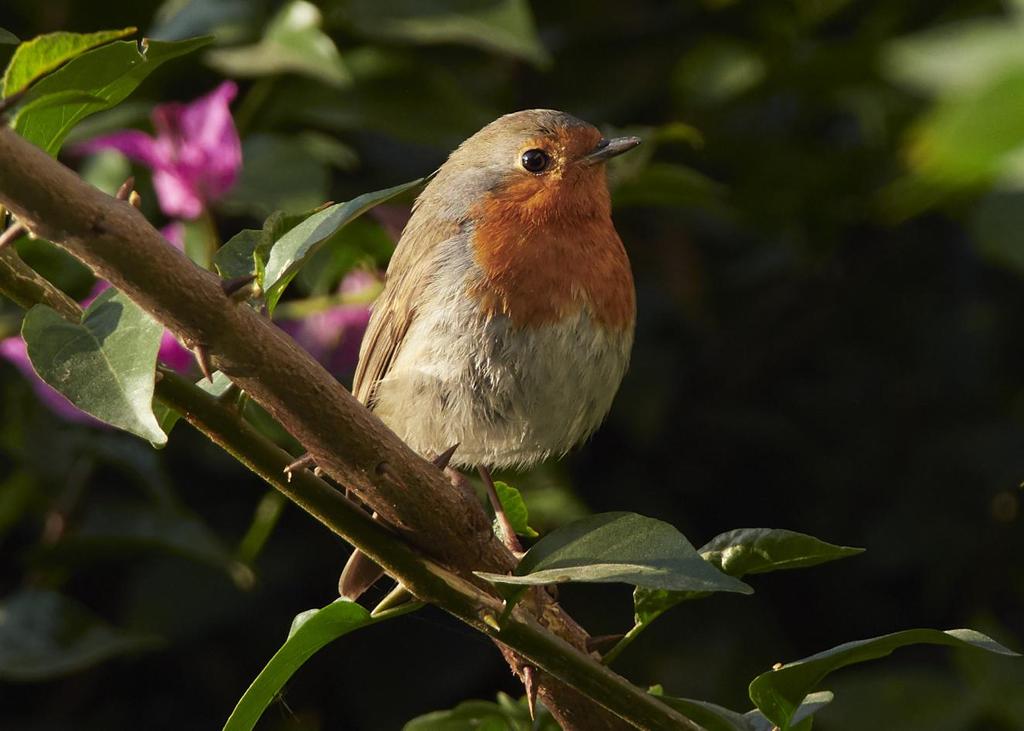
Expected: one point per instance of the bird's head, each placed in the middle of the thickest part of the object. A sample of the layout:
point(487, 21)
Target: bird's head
point(546, 165)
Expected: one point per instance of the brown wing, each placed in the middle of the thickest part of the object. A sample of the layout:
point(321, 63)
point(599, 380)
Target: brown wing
point(395, 309)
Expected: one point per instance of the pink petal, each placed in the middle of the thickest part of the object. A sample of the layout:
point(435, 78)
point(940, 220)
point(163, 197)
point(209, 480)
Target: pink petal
point(332, 336)
point(177, 193)
point(133, 144)
point(207, 152)
point(174, 355)
point(207, 124)
point(174, 232)
point(358, 280)
point(195, 156)
point(98, 287)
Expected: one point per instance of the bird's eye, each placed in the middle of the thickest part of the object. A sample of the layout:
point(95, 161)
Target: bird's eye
point(535, 161)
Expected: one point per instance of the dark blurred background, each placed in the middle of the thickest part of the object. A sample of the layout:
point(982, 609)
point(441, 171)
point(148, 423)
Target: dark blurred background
point(824, 224)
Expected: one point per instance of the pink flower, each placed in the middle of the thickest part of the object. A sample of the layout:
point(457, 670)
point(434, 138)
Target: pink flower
point(195, 155)
point(332, 336)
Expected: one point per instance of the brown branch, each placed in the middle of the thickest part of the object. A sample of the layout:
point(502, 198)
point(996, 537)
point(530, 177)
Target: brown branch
point(347, 441)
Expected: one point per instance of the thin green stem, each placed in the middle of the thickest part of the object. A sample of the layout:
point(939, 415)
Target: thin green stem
point(626, 641)
point(298, 309)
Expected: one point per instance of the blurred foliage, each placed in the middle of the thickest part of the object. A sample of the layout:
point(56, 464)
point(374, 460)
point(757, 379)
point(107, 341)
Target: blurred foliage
point(825, 230)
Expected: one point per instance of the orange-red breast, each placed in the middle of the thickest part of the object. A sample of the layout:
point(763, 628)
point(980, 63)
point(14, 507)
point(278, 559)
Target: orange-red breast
point(506, 320)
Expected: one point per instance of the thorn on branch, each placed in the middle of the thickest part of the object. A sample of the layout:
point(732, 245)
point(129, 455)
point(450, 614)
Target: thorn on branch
point(135, 199)
point(488, 618)
point(301, 463)
point(203, 359)
point(441, 461)
point(531, 686)
point(235, 288)
point(602, 643)
point(126, 189)
point(13, 231)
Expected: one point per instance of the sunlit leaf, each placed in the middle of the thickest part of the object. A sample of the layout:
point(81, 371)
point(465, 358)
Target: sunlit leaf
point(46, 635)
point(619, 547)
point(505, 26)
point(955, 58)
point(973, 138)
point(778, 693)
point(110, 72)
point(292, 42)
point(292, 250)
point(515, 509)
point(43, 54)
point(105, 366)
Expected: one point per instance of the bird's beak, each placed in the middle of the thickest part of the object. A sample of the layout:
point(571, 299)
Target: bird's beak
point(607, 149)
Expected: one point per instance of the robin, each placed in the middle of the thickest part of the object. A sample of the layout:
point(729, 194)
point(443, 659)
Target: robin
point(506, 320)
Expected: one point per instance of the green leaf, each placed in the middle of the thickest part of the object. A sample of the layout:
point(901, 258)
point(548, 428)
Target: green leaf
point(292, 250)
point(310, 631)
point(508, 714)
point(43, 54)
point(759, 550)
point(515, 509)
point(741, 552)
point(45, 635)
point(505, 26)
point(292, 42)
point(710, 716)
point(619, 547)
point(7, 38)
point(811, 704)
point(716, 718)
point(237, 257)
point(778, 693)
point(246, 252)
point(956, 57)
point(110, 72)
point(61, 98)
point(105, 366)
point(974, 137)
